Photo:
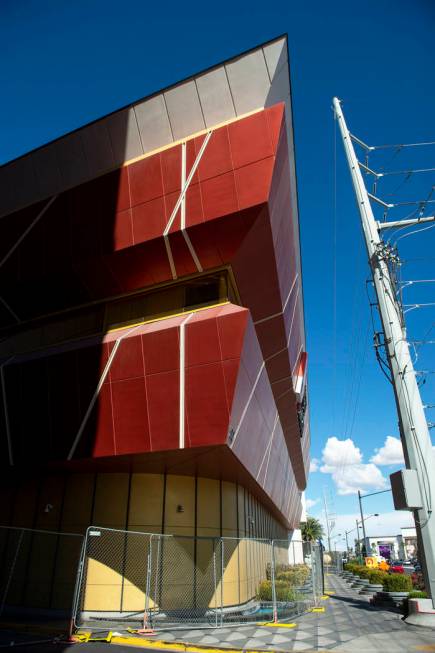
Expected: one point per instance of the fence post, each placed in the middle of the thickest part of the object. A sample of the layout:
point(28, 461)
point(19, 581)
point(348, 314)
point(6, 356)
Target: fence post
point(146, 615)
point(272, 577)
point(77, 589)
point(157, 591)
point(222, 579)
point(215, 583)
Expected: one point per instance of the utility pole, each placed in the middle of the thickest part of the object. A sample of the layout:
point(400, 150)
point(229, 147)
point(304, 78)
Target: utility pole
point(414, 432)
point(327, 523)
point(357, 535)
point(347, 543)
point(362, 520)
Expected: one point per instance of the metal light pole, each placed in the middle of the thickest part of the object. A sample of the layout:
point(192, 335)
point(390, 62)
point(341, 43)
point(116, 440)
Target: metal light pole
point(414, 432)
point(357, 534)
point(347, 543)
point(327, 524)
point(362, 520)
point(363, 496)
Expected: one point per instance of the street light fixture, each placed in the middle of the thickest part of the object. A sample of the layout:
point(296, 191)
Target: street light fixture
point(363, 496)
point(361, 521)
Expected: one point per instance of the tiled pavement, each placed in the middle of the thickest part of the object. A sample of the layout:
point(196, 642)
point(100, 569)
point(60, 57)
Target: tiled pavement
point(349, 624)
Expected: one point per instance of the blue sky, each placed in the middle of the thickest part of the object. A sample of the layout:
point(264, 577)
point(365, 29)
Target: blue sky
point(66, 63)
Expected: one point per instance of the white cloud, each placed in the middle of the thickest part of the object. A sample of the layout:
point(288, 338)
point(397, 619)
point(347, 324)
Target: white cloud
point(311, 502)
point(362, 477)
point(390, 454)
point(344, 461)
point(314, 465)
point(338, 453)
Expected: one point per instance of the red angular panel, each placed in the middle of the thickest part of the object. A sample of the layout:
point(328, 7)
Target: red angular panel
point(146, 180)
point(219, 196)
point(192, 148)
point(194, 209)
point(128, 361)
point(161, 350)
point(216, 159)
point(206, 402)
point(253, 182)
point(250, 140)
point(231, 331)
point(171, 169)
point(202, 342)
point(123, 195)
point(123, 230)
point(205, 244)
point(130, 416)
point(104, 436)
point(163, 402)
point(149, 220)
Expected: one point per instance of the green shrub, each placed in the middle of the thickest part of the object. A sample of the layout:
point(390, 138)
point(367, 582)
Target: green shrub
point(295, 576)
point(397, 583)
point(418, 581)
point(350, 566)
point(416, 594)
point(284, 592)
point(376, 577)
point(278, 570)
point(357, 570)
point(364, 572)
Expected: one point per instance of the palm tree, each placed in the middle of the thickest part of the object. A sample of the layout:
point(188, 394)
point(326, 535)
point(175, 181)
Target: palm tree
point(312, 530)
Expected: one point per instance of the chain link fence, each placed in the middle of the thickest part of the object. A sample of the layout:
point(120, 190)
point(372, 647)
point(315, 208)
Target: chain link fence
point(38, 571)
point(136, 579)
point(334, 564)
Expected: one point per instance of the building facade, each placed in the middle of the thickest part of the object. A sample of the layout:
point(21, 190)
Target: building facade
point(152, 358)
point(394, 547)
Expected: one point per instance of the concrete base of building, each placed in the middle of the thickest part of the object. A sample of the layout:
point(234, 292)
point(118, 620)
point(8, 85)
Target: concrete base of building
point(421, 613)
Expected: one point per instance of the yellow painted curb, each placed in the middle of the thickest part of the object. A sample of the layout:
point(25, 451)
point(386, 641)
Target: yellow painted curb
point(330, 592)
point(317, 610)
point(271, 624)
point(188, 648)
point(324, 597)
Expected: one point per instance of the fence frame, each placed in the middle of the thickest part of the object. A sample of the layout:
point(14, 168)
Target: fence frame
point(220, 614)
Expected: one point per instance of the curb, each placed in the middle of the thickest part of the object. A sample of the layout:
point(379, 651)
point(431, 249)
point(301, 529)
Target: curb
point(187, 647)
point(159, 645)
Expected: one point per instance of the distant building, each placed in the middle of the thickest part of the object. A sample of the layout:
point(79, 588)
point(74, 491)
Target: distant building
point(393, 547)
point(408, 543)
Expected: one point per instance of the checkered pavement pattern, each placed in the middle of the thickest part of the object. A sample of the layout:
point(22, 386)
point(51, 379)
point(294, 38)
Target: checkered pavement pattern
point(348, 624)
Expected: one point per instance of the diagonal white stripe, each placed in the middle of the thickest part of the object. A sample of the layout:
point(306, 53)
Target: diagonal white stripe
point(6, 411)
point(247, 403)
point(181, 202)
point(98, 388)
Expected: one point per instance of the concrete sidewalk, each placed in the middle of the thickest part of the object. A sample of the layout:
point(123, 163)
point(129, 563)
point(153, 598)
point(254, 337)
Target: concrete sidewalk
point(349, 623)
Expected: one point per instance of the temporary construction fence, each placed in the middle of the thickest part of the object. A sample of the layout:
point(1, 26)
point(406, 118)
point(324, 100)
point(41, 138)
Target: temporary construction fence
point(160, 581)
point(334, 562)
point(38, 570)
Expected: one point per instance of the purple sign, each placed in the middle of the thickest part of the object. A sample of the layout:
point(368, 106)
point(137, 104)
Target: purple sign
point(385, 551)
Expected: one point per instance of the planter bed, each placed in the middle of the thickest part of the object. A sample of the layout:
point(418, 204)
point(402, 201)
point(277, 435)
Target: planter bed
point(389, 599)
point(371, 589)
